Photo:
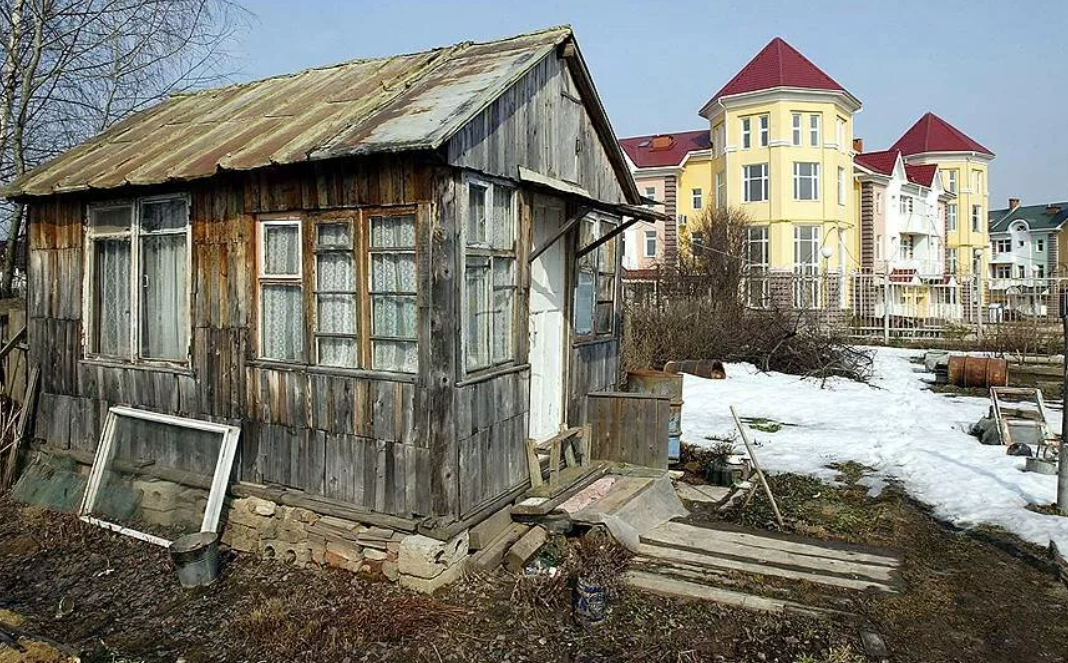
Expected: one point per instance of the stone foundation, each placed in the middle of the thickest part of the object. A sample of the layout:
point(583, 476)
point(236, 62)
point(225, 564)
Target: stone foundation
point(305, 538)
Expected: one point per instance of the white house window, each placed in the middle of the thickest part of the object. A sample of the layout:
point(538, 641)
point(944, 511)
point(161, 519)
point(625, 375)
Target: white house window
point(1040, 271)
point(755, 183)
point(489, 276)
point(795, 119)
point(814, 130)
point(680, 220)
point(1021, 271)
point(747, 133)
point(908, 247)
point(650, 243)
point(878, 202)
point(951, 261)
point(840, 133)
point(806, 181)
point(806, 266)
point(1002, 245)
point(841, 186)
point(138, 265)
point(906, 204)
point(650, 193)
point(595, 282)
point(696, 199)
point(1040, 245)
point(281, 291)
point(951, 181)
point(721, 190)
point(764, 127)
point(977, 216)
point(1003, 271)
point(757, 287)
point(393, 293)
point(951, 217)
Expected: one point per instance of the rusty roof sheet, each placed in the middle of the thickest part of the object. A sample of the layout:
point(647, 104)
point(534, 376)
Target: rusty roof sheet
point(405, 102)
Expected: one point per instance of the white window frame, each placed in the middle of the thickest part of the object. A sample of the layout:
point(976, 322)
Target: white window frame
point(747, 133)
point(1040, 245)
point(841, 186)
point(905, 205)
point(813, 177)
point(951, 181)
point(650, 192)
point(908, 246)
point(951, 217)
point(977, 215)
point(133, 235)
point(796, 129)
point(487, 251)
point(650, 236)
point(697, 198)
point(814, 121)
point(764, 122)
point(758, 268)
point(763, 177)
point(840, 132)
point(721, 189)
point(807, 285)
point(951, 261)
point(105, 453)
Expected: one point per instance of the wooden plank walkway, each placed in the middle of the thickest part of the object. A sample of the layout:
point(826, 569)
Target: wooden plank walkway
point(684, 550)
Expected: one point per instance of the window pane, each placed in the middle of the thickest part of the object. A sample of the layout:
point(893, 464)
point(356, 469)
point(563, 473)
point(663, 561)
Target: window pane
point(112, 220)
point(282, 322)
point(476, 214)
point(335, 272)
point(281, 250)
point(163, 215)
point(337, 352)
point(395, 356)
point(111, 266)
point(391, 232)
point(164, 302)
point(334, 236)
point(604, 317)
point(393, 272)
point(477, 280)
point(393, 316)
point(584, 303)
point(503, 218)
point(336, 314)
point(503, 311)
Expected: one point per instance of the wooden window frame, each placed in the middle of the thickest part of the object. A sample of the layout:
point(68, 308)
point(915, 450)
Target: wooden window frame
point(487, 251)
point(133, 236)
point(364, 253)
point(603, 225)
point(359, 222)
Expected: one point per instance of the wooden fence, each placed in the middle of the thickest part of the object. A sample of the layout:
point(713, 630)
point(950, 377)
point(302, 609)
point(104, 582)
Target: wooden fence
point(629, 428)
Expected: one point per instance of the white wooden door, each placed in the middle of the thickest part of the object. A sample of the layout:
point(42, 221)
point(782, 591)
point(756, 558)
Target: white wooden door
point(548, 306)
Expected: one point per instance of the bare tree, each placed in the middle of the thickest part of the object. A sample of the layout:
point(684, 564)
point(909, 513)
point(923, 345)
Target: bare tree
point(72, 68)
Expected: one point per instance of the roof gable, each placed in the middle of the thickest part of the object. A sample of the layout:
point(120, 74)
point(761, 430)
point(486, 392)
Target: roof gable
point(922, 175)
point(881, 162)
point(1037, 217)
point(663, 150)
point(778, 65)
point(933, 134)
point(406, 102)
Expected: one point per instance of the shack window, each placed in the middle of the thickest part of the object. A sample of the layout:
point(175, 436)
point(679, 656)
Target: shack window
point(138, 255)
point(595, 279)
point(281, 318)
point(393, 292)
point(489, 276)
point(335, 296)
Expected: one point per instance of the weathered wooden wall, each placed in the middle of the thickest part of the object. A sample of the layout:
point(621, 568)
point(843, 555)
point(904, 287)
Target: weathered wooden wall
point(594, 367)
point(539, 123)
point(630, 428)
point(349, 437)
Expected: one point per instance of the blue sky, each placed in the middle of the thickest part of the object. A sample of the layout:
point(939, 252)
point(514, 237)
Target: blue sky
point(997, 70)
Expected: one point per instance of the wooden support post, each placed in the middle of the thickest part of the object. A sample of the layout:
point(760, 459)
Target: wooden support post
point(756, 466)
point(554, 462)
point(533, 465)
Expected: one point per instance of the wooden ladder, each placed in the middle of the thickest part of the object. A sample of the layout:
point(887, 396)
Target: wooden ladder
point(570, 446)
point(1007, 417)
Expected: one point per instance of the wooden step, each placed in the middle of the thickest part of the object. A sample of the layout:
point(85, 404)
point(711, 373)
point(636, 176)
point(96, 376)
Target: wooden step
point(667, 586)
point(543, 499)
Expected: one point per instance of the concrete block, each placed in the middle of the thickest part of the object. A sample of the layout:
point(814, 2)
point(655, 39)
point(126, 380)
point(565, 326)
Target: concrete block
point(431, 585)
point(424, 557)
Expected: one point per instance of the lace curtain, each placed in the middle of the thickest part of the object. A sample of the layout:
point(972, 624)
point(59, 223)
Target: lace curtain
point(393, 288)
point(112, 296)
point(164, 304)
point(336, 296)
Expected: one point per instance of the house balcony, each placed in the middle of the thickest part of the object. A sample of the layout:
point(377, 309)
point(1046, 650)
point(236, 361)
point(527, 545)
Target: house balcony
point(1003, 258)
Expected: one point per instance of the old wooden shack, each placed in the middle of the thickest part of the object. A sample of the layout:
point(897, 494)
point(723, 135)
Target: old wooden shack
point(390, 273)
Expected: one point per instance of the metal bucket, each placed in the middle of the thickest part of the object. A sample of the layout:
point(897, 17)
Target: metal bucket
point(590, 603)
point(967, 371)
point(196, 558)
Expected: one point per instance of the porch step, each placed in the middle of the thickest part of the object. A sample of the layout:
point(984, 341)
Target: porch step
point(543, 499)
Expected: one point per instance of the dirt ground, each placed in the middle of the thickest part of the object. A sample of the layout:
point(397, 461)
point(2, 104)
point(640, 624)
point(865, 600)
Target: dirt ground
point(979, 596)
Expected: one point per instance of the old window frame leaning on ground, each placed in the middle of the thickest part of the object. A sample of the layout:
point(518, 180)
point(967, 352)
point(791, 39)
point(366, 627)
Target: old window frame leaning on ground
point(105, 454)
point(361, 262)
point(135, 234)
point(489, 234)
point(594, 295)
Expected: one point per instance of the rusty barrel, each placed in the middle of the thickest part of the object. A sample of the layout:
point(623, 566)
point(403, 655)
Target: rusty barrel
point(661, 383)
point(967, 371)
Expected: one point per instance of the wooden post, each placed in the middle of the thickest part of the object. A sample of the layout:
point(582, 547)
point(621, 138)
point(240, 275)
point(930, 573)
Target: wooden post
point(756, 467)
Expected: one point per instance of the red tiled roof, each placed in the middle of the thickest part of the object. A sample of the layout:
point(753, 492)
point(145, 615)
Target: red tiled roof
point(881, 162)
point(933, 134)
point(666, 150)
point(922, 175)
point(778, 65)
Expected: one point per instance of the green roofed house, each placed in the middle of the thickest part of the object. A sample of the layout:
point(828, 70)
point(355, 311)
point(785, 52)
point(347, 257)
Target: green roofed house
point(1027, 246)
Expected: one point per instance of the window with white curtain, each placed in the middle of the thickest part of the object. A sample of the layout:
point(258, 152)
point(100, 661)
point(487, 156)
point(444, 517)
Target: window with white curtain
point(138, 254)
point(336, 295)
point(281, 291)
point(489, 275)
point(393, 293)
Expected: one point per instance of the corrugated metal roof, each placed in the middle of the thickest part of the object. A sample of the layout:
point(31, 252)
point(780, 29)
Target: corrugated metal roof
point(405, 102)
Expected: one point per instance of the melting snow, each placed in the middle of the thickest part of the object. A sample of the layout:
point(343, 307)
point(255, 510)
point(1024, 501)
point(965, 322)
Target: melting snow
point(896, 426)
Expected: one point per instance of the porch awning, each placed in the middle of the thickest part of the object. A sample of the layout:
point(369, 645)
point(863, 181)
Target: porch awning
point(584, 198)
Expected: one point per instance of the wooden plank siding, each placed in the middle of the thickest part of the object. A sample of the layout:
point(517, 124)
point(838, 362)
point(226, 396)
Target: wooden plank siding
point(629, 428)
point(594, 367)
